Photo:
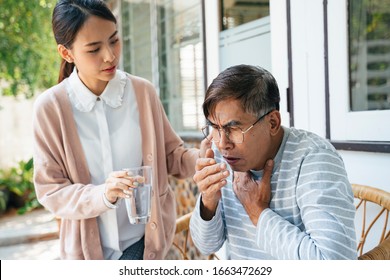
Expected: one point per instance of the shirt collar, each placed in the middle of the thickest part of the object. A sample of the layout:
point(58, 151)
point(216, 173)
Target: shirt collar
point(85, 100)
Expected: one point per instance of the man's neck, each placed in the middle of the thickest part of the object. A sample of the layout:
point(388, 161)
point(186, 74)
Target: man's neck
point(278, 139)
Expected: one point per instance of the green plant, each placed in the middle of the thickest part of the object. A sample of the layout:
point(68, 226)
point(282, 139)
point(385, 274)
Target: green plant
point(29, 59)
point(19, 181)
point(4, 199)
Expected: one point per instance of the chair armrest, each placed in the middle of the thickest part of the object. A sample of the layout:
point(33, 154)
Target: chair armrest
point(183, 223)
point(380, 252)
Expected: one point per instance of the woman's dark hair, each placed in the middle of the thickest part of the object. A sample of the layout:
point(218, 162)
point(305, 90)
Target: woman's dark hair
point(255, 88)
point(68, 18)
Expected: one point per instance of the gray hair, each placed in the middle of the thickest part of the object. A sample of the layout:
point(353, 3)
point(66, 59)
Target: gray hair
point(255, 88)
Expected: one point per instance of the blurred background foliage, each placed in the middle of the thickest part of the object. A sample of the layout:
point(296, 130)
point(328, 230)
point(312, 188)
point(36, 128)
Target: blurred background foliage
point(28, 53)
point(29, 63)
point(17, 188)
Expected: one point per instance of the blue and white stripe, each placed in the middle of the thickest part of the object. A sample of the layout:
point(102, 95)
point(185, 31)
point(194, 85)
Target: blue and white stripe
point(311, 214)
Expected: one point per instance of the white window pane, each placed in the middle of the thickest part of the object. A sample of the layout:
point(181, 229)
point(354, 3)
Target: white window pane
point(346, 124)
point(369, 56)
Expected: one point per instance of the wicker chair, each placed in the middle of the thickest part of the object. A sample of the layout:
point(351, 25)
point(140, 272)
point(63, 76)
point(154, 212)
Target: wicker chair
point(182, 227)
point(366, 195)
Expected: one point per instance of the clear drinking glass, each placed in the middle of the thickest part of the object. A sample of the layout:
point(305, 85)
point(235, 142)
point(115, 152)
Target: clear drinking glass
point(139, 202)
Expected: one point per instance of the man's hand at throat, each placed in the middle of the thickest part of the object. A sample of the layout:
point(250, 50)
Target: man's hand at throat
point(254, 195)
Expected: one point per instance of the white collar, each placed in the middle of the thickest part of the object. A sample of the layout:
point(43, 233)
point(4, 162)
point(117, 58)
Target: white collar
point(85, 100)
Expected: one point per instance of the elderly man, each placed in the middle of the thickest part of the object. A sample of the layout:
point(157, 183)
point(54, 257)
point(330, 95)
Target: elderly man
point(268, 191)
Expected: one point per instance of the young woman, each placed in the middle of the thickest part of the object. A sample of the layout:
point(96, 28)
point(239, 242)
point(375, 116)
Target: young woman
point(95, 122)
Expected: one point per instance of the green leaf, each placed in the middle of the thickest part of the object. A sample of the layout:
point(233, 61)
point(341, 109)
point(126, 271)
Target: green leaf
point(29, 61)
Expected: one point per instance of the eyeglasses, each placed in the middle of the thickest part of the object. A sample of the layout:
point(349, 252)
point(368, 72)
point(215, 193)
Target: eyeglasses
point(233, 133)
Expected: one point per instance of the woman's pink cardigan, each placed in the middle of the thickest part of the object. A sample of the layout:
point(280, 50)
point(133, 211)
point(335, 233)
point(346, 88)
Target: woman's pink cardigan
point(62, 178)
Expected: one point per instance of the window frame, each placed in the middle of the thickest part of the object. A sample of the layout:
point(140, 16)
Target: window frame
point(345, 129)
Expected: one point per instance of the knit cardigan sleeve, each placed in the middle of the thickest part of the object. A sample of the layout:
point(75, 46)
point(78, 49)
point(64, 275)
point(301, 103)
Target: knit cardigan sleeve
point(179, 160)
point(61, 176)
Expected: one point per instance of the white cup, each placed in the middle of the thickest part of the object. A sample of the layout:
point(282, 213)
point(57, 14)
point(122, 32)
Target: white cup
point(139, 202)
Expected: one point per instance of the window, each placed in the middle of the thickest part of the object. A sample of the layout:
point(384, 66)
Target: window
point(237, 12)
point(181, 63)
point(136, 35)
point(162, 42)
point(357, 67)
point(369, 54)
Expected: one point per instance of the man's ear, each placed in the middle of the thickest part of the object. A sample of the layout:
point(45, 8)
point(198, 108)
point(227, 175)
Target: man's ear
point(65, 53)
point(275, 122)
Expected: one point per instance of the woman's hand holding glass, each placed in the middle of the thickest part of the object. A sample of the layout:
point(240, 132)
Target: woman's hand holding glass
point(119, 185)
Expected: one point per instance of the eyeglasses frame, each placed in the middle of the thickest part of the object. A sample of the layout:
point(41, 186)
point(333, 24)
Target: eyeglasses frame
point(242, 131)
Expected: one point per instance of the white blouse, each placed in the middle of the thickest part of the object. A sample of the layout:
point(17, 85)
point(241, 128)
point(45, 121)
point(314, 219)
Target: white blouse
point(110, 133)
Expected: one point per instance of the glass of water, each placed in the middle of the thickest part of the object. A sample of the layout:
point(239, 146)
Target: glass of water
point(138, 204)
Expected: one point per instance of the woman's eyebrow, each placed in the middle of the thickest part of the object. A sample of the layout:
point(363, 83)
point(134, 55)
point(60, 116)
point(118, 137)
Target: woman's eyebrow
point(113, 34)
point(97, 43)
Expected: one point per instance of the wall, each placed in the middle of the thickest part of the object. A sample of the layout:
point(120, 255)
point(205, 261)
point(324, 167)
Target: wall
point(253, 37)
point(212, 39)
point(15, 130)
point(368, 168)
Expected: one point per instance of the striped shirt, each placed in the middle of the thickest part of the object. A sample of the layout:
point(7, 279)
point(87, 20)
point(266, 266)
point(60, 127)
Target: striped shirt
point(311, 214)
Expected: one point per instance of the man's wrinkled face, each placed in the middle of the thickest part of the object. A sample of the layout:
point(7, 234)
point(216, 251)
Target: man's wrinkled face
point(254, 151)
